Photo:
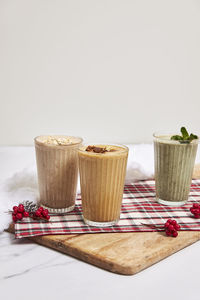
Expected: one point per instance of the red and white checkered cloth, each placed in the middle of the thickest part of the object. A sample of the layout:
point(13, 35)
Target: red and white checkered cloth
point(138, 208)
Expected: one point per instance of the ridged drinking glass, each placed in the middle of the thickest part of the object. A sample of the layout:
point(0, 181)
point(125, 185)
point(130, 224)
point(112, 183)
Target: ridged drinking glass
point(174, 164)
point(57, 167)
point(102, 177)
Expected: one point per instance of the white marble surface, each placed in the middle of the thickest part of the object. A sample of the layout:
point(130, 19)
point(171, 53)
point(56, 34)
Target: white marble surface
point(30, 271)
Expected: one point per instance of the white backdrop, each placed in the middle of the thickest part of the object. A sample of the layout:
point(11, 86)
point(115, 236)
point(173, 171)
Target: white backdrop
point(107, 70)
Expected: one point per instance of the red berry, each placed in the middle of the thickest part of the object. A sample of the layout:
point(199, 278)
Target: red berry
point(14, 218)
point(45, 212)
point(40, 209)
point(38, 214)
point(167, 224)
point(168, 232)
point(21, 208)
point(195, 211)
point(47, 217)
point(173, 222)
point(196, 216)
point(174, 233)
point(171, 227)
point(26, 214)
point(177, 227)
point(19, 216)
point(15, 209)
point(169, 221)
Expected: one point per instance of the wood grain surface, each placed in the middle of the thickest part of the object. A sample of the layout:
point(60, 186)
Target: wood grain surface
point(122, 253)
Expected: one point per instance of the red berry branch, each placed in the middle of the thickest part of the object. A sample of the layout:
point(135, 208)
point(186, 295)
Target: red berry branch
point(195, 210)
point(171, 227)
point(19, 213)
point(29, 209)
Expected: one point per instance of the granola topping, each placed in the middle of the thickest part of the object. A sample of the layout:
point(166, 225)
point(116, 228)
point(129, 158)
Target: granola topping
point(57, 141)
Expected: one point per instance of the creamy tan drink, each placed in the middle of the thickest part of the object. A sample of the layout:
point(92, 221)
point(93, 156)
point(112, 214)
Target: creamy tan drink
point(57, 166)
point(102, 174)
point(174, 163)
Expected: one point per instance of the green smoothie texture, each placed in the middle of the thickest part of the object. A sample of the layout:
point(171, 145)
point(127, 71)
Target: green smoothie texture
point(174, 164)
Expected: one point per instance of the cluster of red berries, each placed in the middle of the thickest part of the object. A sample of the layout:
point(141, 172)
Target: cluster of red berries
point(172, 228)
point(195, 210)
point(41, 213)
point(19, 213)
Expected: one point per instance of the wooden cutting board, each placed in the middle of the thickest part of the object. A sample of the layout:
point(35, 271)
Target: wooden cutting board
point(122, 253)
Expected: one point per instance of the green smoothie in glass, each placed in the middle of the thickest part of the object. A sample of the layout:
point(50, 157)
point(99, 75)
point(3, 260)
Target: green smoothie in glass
point(174, 163)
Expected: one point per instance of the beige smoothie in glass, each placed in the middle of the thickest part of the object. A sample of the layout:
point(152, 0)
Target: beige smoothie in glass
point(102, 175)
point(57, 167)
point(174, 164)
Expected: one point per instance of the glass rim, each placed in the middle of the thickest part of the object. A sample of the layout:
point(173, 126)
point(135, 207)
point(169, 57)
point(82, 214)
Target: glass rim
point(126, 149)
point(37, 142)
point(158, 135)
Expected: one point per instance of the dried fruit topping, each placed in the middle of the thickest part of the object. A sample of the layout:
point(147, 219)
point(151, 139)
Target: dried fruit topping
point(89, 148)
point(98, 149)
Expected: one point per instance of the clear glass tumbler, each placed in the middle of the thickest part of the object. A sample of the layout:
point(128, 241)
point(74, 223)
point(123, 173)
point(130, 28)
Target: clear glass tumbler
point(102, 177)
point(174, 164)
point(57, 167)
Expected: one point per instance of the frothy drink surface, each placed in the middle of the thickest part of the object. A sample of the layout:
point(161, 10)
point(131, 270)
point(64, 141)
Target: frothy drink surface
point(102, 150)
point(57, 140)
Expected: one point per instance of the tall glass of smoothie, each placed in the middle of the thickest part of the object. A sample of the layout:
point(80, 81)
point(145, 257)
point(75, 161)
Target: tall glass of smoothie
point(102, 175)
point(174, 164)
point(57, 167)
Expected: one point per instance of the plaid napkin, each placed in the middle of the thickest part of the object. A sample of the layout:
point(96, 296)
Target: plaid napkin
point(139, 209)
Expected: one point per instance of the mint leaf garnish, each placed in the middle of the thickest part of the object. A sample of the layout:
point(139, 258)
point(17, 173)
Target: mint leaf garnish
point(193, 137)
point(185, 138)
point(185, 134)
point(176, 137)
